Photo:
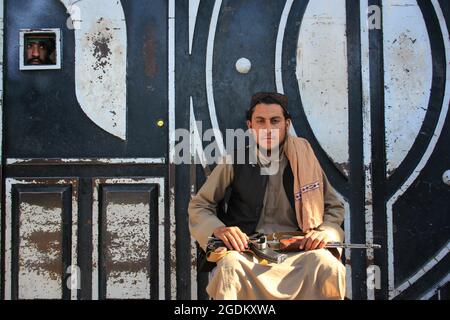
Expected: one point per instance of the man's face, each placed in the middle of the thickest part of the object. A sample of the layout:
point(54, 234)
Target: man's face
point(269, 125)
point(37, 52)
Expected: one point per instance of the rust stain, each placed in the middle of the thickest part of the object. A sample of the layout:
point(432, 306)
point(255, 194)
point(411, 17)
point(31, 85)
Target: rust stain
point(51, 268)
point(149, 53)
point(127, 266)
point(45, 241)
point(45, 200)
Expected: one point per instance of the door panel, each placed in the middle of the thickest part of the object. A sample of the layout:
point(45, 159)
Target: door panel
point(41, 243)
point(350, 70)
point(103, 114)
point(127, 214)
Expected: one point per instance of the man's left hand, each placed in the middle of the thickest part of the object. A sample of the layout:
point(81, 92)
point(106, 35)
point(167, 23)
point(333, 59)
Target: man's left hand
point(314, 240)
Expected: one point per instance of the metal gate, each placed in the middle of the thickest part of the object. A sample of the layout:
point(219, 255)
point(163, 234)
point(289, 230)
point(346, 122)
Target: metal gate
point(93, 204)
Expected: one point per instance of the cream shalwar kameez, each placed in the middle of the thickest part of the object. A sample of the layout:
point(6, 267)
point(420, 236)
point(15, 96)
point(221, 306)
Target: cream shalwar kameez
point(315, 274)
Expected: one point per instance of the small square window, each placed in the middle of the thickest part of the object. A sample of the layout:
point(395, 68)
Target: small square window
point(40, 49)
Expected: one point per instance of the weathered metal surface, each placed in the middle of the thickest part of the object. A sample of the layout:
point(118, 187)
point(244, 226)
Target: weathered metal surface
point(1, 116)
point(124, 215)
point(40, 248)
point(396, 287)
point(84, 161)
point(101, 60)
point(127, 245)
point(367, 134)
point(322, 76)
point(407, 77)
point(171, 179)
point(36, 213)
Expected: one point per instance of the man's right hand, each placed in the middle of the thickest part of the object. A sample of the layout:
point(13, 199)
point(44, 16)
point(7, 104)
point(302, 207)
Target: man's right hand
point(233, 238)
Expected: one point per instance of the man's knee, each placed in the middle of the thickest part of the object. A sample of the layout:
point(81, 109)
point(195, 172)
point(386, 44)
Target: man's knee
point(225, 282)
point(231, 260)
point(330, 273)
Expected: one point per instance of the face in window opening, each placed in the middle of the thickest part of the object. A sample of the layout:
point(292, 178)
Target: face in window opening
point(38, 51)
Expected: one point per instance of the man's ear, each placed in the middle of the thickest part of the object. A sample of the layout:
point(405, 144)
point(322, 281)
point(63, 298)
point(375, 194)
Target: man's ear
point(249, 124)
point(288, 123)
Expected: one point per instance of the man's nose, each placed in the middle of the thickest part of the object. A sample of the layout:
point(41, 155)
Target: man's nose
point(270, 127)
point(35, 51)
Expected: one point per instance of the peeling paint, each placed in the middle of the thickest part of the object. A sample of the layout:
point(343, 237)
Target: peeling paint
point(322, 63)
point(119, 284)
point(40, 245)
point(101, 60)
point(393, 289)
point(127, 240)
point(408, 77)
point(81, 161)
point(127, 245)
point(40, 249)
point(101, 51)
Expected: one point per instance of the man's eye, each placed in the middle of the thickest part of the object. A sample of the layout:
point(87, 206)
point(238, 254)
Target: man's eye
point(275, 121)
point(259, 121)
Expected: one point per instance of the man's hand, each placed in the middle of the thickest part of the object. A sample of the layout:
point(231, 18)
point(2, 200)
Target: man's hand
point(233, 238)
point(314, 240)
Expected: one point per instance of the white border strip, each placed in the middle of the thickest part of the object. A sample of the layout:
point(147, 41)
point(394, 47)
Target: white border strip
point(93, 161)
point(393, 291)
point(9, 182)
point(347, 230)
point(96, 228)
point(367, 134)
point(171, 101)
point(196, 149)
point(209, 76)
point(279, 45)
point(279, 53)
point(1, 112)
point(435, 288)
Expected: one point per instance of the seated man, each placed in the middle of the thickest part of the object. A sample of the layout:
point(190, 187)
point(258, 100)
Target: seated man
point(296, 197)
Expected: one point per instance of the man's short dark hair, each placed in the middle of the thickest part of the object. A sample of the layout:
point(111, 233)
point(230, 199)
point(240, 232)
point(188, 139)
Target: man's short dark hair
point(268, 98)
point(48, 40)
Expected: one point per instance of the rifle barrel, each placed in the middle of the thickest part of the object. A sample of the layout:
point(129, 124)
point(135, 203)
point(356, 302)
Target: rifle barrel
point(353, 245)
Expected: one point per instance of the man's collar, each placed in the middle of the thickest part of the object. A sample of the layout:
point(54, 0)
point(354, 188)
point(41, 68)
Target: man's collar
point(264, 160)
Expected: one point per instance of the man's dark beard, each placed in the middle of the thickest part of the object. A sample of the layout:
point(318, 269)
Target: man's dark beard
point(47, 61)
point(30, 61)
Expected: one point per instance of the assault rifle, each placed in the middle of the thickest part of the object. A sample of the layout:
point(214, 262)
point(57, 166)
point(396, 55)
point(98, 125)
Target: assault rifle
point(267, 249)
point(257, 244)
